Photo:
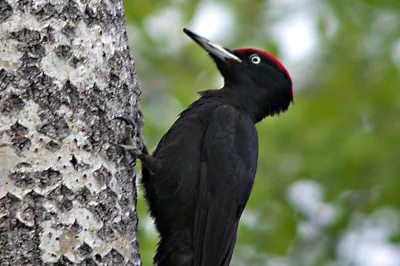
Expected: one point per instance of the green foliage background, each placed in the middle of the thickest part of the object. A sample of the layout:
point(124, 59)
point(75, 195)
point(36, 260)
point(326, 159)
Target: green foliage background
point(341, 137)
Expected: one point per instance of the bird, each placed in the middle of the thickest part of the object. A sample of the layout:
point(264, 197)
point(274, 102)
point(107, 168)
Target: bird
point(200, 176)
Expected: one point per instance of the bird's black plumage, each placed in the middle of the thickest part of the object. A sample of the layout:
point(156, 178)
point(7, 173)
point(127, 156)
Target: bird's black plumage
point(199, 178)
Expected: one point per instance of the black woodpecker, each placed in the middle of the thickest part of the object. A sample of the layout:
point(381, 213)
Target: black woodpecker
point(199, 178)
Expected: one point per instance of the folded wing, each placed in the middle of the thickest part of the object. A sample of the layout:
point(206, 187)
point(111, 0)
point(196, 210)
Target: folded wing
point(228, 166)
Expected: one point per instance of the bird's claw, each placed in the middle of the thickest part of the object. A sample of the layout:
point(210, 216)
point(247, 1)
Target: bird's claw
point(136, 149)
point(126, 119)
point(132, 149)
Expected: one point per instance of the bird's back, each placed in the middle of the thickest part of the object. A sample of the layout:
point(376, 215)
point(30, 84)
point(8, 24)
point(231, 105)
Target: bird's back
point(170, 191)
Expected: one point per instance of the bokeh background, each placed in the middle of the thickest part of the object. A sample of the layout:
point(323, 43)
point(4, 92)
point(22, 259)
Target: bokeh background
point(327, 190)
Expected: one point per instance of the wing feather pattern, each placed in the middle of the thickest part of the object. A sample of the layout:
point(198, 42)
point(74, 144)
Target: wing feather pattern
point(228, 165)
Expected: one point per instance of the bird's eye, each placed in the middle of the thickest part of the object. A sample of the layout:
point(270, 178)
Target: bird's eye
point(255, 59)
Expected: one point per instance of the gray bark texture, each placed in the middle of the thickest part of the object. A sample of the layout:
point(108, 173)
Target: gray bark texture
point(67, 196)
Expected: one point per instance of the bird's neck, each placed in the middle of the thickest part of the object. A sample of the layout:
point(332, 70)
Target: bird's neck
point(253, 104)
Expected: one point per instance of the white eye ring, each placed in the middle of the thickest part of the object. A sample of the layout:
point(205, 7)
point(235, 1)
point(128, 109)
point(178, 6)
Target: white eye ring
point(255, 59)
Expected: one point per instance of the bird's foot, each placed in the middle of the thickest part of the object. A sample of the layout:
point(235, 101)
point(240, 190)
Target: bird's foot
point(136, 148)
point(132, 149)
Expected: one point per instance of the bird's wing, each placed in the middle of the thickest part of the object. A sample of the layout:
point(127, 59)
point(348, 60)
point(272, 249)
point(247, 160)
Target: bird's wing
point(229, 162)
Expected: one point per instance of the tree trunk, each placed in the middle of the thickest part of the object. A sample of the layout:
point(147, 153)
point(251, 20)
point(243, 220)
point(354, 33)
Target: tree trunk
point(66, 195)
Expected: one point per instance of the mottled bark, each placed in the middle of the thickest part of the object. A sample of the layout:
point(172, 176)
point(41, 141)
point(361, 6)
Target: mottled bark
point(66, 195)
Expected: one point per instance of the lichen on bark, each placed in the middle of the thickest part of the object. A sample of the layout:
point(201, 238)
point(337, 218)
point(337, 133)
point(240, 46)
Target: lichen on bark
point(67, 196)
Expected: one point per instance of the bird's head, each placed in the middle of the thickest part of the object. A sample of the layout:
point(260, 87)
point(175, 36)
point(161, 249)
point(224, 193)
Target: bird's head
point(252, 74)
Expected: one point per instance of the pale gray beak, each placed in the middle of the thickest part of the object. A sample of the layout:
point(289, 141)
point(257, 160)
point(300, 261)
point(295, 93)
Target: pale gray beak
point(212, 48)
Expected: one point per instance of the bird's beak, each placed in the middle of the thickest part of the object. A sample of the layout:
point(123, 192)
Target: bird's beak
point(212, 48)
